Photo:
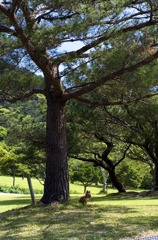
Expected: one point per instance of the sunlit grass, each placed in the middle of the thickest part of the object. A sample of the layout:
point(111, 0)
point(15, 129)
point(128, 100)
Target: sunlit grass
point(19, 181)
point(74, 188)
point(13, 201)
point(104, 218)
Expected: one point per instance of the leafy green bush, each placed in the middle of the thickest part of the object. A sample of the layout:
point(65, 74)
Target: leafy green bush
point(133, 174)
point(148, 182)
point(17, 189)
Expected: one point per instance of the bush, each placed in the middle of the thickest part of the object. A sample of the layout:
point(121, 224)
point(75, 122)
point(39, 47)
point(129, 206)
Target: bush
point(129, 175)
point(148, 182)
point(17, 189)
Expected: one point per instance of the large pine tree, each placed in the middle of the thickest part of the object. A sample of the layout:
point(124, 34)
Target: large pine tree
point(118, 37)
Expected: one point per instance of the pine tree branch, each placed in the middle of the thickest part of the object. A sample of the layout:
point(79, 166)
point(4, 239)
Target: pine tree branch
point(27, 14)
point(3, 9)
point(104, 37)
point(7, 30)
point(106, 102)
point(7, 97)
point(14, 5)
point(110, 76)
point(50, 19)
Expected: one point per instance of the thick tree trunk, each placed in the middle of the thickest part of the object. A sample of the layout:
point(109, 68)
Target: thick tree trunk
point(56, 187)
point(115, 181)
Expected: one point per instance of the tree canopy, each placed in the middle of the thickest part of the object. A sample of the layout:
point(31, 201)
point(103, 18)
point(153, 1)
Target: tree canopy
point(118, 38)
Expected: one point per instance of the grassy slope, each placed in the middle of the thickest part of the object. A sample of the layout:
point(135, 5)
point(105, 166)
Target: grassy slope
point(104, 217)
point(22, 183)
point(8, 202)
point(8, 181)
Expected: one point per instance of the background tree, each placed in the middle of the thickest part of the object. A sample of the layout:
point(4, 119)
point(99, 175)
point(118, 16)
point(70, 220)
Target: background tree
point(137, 125)
point(134, 174)
point(24, 140)
point(103, 160)
point(31, 34)
point(84, 173)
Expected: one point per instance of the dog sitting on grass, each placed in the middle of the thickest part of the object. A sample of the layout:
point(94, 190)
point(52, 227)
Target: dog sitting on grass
point(85, 198)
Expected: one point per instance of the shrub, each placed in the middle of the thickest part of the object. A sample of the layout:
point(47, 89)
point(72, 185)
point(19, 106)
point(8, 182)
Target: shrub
point(17, 189)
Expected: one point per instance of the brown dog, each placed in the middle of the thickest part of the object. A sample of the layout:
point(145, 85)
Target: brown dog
point(85, 198)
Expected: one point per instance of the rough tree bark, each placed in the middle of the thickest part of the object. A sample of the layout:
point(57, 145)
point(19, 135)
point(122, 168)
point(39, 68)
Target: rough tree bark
point(152, 150)
point(56, 187)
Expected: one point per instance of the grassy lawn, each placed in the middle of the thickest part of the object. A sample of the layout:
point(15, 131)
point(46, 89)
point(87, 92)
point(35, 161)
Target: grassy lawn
point(13, 201)
point(104, 218)
point(22, 183)
point(111, 217)
point(8, 181)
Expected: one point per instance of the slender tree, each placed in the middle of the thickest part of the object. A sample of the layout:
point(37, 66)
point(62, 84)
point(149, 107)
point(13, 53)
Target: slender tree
point(103, 160)
point(84, 173)
point(31, 34)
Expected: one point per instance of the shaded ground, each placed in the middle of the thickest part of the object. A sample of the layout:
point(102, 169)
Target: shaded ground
point(124, 216)
point(151, 193)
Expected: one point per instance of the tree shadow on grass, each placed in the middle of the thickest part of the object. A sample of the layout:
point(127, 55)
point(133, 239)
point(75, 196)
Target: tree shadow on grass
point(16, 201)
point(75, 222)
point(111, 198)
point(121, 196)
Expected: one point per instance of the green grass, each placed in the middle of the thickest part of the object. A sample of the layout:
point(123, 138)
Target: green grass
point(115, 216)
point(104, 218)
point(22, 183)
point(14, 201)
point(74, 188)
point(8, 181)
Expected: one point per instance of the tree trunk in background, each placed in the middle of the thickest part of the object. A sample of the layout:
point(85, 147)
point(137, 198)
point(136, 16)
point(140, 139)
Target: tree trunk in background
point(156, 175)
point(85, 188)
point(104, 180)
point(118, 185)
point(56, 186)
point(31, 190)
point(13, 179)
